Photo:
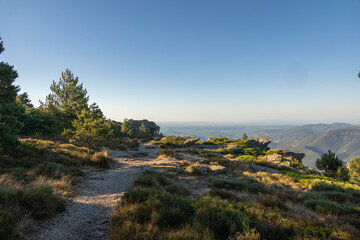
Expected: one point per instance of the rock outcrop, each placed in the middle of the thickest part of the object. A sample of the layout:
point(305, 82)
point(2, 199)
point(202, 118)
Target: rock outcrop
point(284, 158)
point(189, 141)
point(259, 144)
point(137, 127)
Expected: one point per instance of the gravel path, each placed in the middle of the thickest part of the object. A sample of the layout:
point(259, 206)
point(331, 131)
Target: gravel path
point(87, 216)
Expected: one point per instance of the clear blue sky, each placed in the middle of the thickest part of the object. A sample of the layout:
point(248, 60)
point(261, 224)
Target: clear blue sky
point(191, 60)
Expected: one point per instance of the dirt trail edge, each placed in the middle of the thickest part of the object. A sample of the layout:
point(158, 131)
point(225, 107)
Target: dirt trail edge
point(87, 215)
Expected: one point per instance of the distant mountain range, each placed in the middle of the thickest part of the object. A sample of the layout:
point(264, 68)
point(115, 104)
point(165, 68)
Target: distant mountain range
point(311, 139)
point(345, 143)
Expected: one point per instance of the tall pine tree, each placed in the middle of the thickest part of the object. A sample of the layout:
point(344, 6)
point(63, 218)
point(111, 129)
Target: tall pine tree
point(10, 125)
point(68, 98)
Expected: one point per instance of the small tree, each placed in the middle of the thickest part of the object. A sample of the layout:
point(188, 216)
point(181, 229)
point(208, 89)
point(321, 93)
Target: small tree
point(143, 131)
point(126, 130)
point(332, 166)
point(10, 124)
point(244, 137)
point(87, 129)
point(354, 166)
point(67, 99)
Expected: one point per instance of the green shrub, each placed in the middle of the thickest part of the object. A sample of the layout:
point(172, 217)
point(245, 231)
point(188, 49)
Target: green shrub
point(245, 184)
point(246, 158)
point(221, 216)
point(41, 202)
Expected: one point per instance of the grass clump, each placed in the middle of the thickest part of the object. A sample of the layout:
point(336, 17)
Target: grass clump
point(101, 159)
point(169, 153)
point(332, 199)
point(245, 184)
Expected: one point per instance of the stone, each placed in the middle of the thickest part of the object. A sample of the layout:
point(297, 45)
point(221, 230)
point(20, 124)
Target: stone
point(234, 148)
point(259, 143)
point(153, 130)
point(191, 141)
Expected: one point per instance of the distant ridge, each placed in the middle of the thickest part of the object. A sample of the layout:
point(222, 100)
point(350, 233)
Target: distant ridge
point(345, 143)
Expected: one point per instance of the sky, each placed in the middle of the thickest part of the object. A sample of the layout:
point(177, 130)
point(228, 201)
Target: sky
point(240, 61)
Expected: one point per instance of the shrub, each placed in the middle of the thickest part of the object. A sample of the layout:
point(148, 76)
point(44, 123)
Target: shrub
point(41, 202)
point(332, 166)
point(101, 159)
point(245, 184)
point(246, 158)
point(169, 153)
point(155, 202)
point(354, 167)
point(219, 215)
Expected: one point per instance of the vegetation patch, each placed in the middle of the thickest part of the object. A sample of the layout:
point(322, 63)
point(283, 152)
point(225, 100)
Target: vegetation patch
point(169, 153)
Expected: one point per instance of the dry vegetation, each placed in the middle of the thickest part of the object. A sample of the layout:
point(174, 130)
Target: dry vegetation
point(36, 180)
point(242, 204)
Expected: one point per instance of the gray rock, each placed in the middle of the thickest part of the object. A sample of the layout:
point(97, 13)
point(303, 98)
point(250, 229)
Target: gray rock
point(191, 141)
point(153, 130)
point(256, 143)
point(234, 148)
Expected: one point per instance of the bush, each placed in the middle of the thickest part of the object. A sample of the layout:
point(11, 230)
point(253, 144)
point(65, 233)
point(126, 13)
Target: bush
point(332, 166)
point(169, 153)
point(221, 216)
point(354, 167)
point(101, 159)
point(245, 184)
point(41, 202)
point(155, 202)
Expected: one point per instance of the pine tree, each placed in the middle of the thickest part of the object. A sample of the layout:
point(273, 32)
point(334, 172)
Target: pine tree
point(244, 137)
point(96, 112)
point(10, 125)
point(332, 166)
point(88, 129)
point(68, 98)
point(143, 131)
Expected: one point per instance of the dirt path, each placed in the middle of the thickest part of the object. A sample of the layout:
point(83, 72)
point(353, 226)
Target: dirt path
point(87, 216)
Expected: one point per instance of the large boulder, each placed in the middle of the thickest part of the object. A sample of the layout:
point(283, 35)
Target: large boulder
point(284, 158)
point(189, 141)
point(134, 126)
point(260, 144)
point(234, 148)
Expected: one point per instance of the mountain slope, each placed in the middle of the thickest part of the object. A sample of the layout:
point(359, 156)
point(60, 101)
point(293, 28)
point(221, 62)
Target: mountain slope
point(345, 143)
point(287, 136)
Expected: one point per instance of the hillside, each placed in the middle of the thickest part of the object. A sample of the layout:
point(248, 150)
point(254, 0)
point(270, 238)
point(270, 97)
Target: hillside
point(345, 143)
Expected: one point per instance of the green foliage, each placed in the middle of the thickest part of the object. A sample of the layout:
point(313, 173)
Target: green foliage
point(68, 98)
point(246, 158)
point(223, 217)
point(10, 111)
point(169, 153)
point(144, 132)
point(307, 180)
point(244, 137)
point(245, 184)
point(154, 200)
point(88, 129)
point(354, 166)
point(126, 130)
point(332, 166)
point(40, 200)
point(332, 199)
point(225, 141)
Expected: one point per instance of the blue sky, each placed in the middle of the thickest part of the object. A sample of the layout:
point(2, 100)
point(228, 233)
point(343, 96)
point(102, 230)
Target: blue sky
point(287, 61)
